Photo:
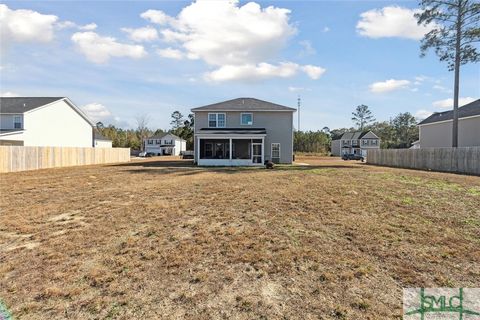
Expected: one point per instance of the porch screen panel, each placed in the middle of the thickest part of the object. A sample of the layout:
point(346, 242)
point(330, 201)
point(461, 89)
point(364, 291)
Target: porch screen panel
point(241, 149)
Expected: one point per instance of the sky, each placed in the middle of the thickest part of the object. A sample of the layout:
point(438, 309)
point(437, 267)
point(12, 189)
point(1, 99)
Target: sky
point(119, 60)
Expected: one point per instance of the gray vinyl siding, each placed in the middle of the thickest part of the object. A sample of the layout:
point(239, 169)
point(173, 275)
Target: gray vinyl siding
point(278, 125)
point(438, 135)
point(336, 148)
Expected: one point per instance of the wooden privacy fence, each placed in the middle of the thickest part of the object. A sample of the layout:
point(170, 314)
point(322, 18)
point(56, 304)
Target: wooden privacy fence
point(16, 158)
point(460, 160)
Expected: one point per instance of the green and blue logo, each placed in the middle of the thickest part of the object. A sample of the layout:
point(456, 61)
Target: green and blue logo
point(441, 303)
point(4, 314)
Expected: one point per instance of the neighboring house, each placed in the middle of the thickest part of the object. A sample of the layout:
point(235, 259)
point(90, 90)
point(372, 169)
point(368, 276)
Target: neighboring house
point(242, 132)
point(355, 142)
point(165, 144)
point(436, 130)
point(44, 121)
point(101, 141)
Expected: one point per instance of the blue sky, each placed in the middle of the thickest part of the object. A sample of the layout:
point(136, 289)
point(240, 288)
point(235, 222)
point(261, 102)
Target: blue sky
point(119, 59)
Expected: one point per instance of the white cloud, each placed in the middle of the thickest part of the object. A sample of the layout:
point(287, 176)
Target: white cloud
point(231, 37)
point(171, 53)
point(388, 85)
point(97, 112)
point(298, 89)
point(392, 21)
point(261, 71)
point(156, 16)
point(25, 25)
point(307, 48)
point(448, 103)
point(145, 34)
point(69, 24)
point(9, 94)
point(313, 72)
point(100, 49)
point(422, 114)
point(88, 27)
point(326, 29)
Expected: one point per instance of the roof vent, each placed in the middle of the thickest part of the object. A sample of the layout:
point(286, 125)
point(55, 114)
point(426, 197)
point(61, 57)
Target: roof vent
point(24, 105)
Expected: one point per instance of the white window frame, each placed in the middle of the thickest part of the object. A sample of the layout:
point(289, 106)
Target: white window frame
point(216, 119)
point(15, 122)
point(279, 151)
point(241, 119)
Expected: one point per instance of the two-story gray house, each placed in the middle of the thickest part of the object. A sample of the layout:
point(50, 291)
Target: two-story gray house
point(355, 142)
point(243, 132)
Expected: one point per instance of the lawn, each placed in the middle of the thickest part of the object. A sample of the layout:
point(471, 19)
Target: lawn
point(157, 239)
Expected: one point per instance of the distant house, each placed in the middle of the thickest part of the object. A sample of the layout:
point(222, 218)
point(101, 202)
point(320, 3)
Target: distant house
point(44, 121)
point(243, 132)
point(355, 142)
point(436, 130)
point(165, 144)
point(101, 141)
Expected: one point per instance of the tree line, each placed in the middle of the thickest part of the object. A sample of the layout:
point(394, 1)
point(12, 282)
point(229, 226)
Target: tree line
point(398, 132)
point(133, 138)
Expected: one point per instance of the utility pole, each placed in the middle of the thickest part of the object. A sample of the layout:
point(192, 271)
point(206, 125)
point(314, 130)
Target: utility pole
point(298, 112)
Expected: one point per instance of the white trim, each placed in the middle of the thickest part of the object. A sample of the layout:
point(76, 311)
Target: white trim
point(233, 110)
point(71, 104)
point(227, 136)
point(279, 150)
point(241, 117)
point(216, 119)
point(451, 120)
point(8, 133)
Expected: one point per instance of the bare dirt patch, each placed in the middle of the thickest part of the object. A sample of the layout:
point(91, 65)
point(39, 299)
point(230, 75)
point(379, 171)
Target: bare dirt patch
point(161, 239)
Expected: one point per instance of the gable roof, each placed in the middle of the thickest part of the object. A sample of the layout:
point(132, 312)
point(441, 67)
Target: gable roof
point(468, 110)
point(98, 136)
point(355, 135)
point(24, 104)
point(244, 104)
point(162, 135)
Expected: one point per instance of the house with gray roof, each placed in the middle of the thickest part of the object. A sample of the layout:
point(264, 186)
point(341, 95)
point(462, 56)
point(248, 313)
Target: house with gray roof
point(44, 121)
point(358, 142)
point(243, 132)
point(164, 144)
point(436, 130)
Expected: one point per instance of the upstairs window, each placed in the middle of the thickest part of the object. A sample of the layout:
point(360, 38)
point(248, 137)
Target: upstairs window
point(364, 142)
point(17, 122)
point(374, 142)
point(216, 120)
point(246, 119)
point(150, 141)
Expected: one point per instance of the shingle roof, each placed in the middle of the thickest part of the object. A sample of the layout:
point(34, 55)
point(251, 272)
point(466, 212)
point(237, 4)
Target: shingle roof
point(99, 136)
point(24, 104)
point(234, 130)
point(355, 135)
point(244, 104)
point(468, 110)
point(161, 135)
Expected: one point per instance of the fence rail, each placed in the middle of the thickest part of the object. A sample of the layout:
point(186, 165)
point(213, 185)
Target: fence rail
point(459, 160)
point(17, 158)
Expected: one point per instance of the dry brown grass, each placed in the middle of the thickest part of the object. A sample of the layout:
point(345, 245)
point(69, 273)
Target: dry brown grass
point(157, 239)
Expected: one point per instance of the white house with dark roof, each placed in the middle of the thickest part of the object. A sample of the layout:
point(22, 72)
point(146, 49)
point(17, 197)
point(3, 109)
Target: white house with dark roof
point(165, 144)
point(100, 141)
point(436, 130)
point(355, 143)
point(243, 132)
point(44, 121)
